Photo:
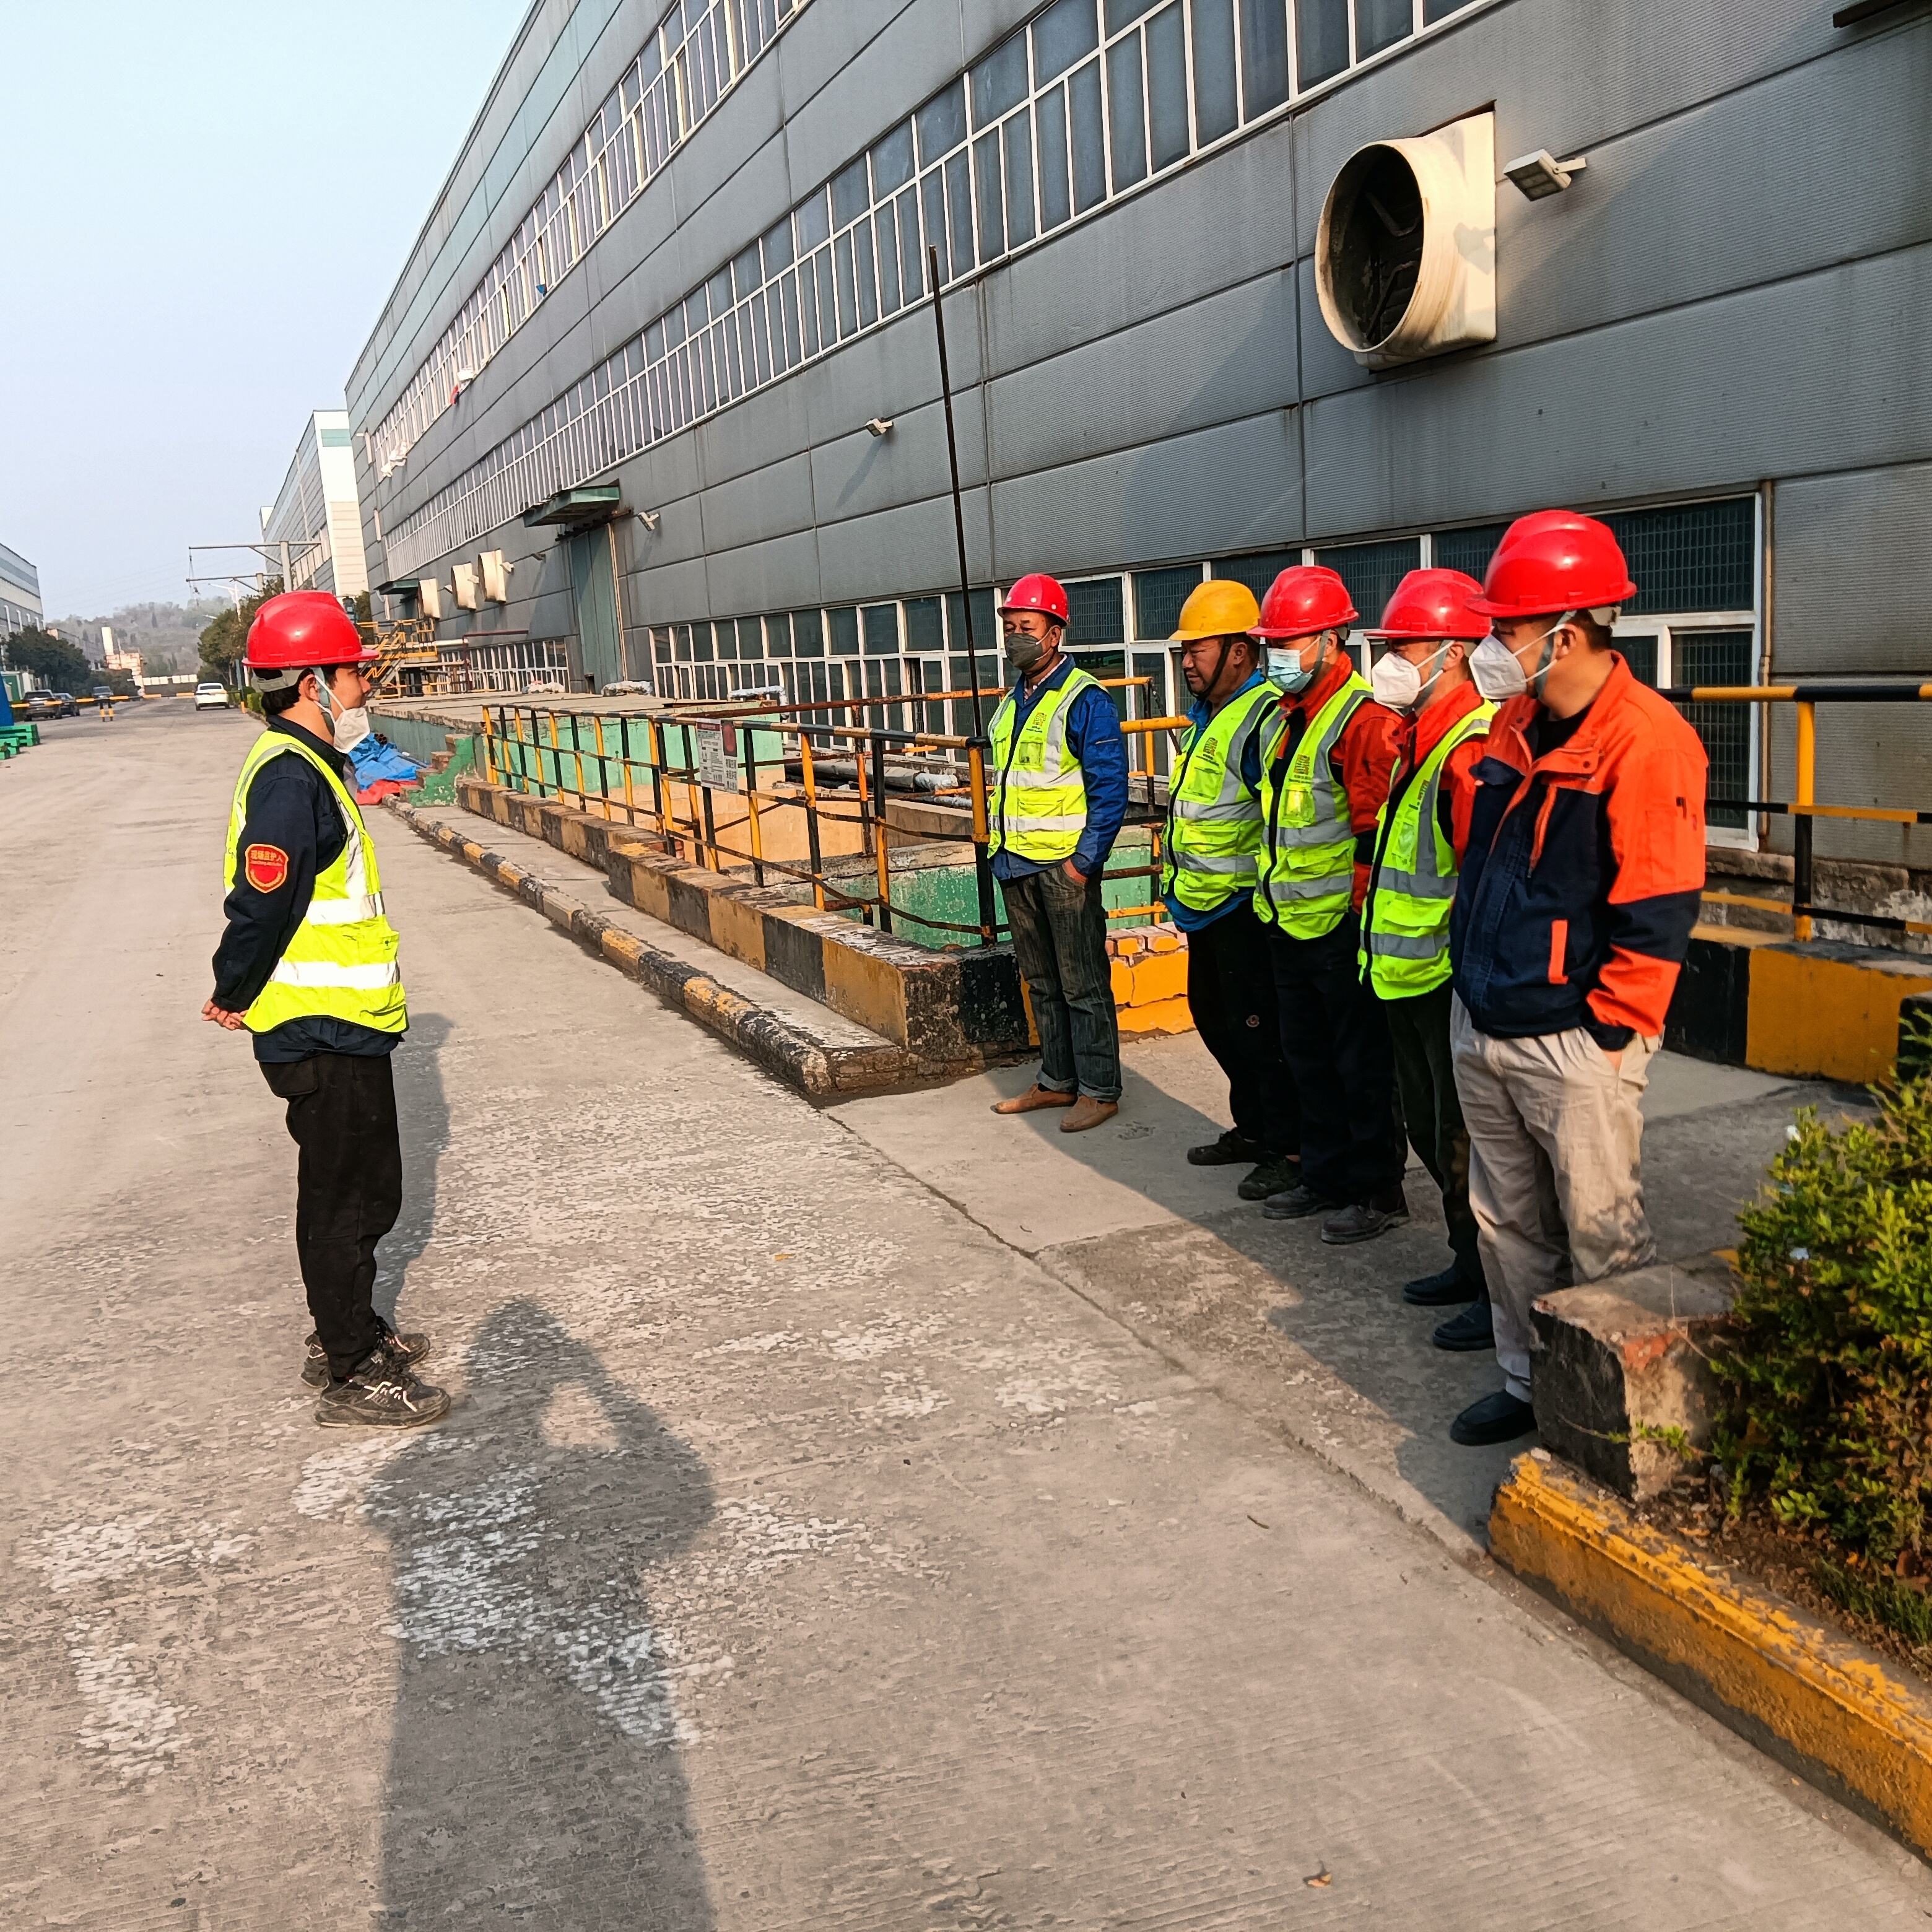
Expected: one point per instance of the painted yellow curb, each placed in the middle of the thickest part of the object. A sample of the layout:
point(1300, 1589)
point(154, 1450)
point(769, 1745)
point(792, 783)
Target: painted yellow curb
point(1834, 1706)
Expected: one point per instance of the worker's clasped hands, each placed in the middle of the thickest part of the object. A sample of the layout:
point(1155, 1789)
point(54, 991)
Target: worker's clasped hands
point(222, 1017)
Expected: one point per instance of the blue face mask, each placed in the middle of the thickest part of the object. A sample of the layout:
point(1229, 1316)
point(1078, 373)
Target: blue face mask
point(1285, 669)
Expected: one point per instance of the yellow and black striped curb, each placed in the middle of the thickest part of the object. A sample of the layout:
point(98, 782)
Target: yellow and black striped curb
point(1829, 1708)
point(820, 1069)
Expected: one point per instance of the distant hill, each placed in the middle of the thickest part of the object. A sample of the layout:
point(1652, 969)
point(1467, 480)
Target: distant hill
point(166, 635)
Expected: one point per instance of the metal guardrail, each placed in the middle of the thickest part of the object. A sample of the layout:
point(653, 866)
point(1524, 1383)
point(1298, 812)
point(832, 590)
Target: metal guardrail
point(1804, 809)
point(524, 747)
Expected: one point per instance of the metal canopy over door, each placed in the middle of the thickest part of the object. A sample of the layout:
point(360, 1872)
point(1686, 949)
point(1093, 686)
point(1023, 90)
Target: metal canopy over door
point(593, 581)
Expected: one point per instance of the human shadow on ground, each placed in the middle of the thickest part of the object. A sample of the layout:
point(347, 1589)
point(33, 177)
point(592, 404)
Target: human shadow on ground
point(534, 1772)
point(422, 1117)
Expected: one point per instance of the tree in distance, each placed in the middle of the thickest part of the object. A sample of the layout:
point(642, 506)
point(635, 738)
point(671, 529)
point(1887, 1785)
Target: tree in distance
point(51, 661)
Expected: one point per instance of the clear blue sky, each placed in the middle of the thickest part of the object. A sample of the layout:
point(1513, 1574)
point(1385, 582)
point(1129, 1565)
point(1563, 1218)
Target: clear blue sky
point(206, 205)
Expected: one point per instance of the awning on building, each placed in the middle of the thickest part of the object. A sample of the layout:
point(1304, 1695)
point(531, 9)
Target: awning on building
point(576, 509)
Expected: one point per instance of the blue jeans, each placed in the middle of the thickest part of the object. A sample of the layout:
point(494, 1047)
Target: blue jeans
point(1060, 941)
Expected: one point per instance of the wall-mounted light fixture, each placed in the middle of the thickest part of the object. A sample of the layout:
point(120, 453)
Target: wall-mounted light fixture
point(649, 518)
point(1539, 175)
point(880, 425)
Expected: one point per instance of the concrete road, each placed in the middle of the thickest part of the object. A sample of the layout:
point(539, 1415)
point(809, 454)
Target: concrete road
point(799, 1551)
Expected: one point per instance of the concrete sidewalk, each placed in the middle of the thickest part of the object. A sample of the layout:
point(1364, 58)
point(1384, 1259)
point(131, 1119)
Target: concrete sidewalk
point(799, 1553)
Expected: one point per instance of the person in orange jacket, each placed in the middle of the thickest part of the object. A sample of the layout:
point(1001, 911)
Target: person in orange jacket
point(1580, 884)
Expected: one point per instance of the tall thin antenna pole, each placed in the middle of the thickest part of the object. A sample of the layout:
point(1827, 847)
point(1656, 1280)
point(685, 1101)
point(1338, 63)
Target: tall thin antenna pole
point(959, 510)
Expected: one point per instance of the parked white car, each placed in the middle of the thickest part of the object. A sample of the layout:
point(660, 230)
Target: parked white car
point(211, 697)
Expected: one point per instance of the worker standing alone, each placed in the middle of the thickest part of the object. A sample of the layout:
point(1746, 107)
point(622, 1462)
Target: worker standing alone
point(308, 965)
point(1058, 793)
point(1211, 865)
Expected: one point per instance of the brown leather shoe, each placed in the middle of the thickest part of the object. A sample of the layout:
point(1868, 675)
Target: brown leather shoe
point(1035, 1097)
point(1088, 1112)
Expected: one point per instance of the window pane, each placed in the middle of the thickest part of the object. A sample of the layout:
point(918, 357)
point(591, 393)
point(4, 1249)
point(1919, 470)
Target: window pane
point(814, 223)
point(1322, 36)
point(1719, 657)
point(1000, 81)
point(959, 213)
point(912, 258)
point(850, 197)
point(1380, 24)
point(1124, 13)
point(941, 124)
point(1257, 570)
point(1127, 123)
point(924, 632)
point(1469, 550)
point(1167, 86)
point(700, 642)
point(829, 330)
point(1097, 612)
point(932, 200)
point(892, 161)
point(881, 623)
point(1372, 571)
point(1440, 10)
point(992, 219)
point(726, 630)
point(867, 275)
point(888, 261)
point(1017, 137)
point(778, 636)
point(1056, 205)
point(808, 297)
point(790, 291)
point(746, 273)
point(1089, 157)
point(1061, 36)
point(807, 634)
point(1694, 557)
point(1214, 111)
point(848, 320)
point(845, 623)
point(1158, 597)
point(1640, 654)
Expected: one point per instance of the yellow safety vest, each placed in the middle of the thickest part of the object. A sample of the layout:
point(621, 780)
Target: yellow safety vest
point(1308, 869)
point(341, 963)
point(1211, 850)
point(1405, 943)
point(1036, 806)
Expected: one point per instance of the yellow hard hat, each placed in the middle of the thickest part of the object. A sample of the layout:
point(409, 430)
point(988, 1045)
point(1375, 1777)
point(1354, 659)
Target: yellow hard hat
point(1218, 608)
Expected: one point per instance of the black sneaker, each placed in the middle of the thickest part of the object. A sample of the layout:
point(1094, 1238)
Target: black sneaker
point(1441, 1291)
point(413, 1349)
point(1472, 1329)
point(1361, 1221)
point(1231, 1150)
point(1496, 1418)
point(382, 1394)
point(1277, 1175)
point(1298, 1203)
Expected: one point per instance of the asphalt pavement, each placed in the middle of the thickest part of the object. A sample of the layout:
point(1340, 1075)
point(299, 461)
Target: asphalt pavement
point(804, 1549)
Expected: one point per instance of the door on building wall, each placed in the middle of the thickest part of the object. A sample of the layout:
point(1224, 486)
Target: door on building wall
point(593, 583)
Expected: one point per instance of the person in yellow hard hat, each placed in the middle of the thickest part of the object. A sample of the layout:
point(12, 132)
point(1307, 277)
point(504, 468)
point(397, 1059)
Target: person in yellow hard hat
point(1209, 867)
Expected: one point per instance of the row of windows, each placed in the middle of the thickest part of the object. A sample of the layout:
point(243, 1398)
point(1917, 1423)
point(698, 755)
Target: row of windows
point(1082, 105)
point(17, 617)
point(692, 59)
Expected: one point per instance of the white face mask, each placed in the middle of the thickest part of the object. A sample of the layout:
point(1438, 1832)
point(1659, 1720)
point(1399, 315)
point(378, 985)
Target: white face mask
point(348, 727)
point(1402, 685)
point(1498, 671)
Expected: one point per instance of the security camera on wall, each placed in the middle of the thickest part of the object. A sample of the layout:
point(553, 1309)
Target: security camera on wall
point(1405, 256)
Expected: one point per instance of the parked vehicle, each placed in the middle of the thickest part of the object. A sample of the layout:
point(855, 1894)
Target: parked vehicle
point(52, 704)
point(211, 697)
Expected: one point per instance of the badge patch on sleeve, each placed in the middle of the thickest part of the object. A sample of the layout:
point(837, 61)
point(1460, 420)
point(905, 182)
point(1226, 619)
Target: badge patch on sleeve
point(265, 867)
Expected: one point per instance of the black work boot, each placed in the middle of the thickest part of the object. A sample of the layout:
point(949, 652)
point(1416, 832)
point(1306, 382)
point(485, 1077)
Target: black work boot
point(1471, 1330)
point(1500, 1417)
point(1441, 1291)
point(1231, 1150)
point(413, 1349)
point(1276, 1174)
point(1298, 1203)
point(381, 1393)
point(1364, 1220)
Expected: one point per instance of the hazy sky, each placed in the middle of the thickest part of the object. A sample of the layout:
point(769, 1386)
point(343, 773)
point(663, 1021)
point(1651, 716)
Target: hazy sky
point(203, 205)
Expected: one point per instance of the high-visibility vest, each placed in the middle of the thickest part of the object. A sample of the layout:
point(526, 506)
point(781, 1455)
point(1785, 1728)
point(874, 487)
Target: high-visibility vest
point(1213, 844)
point(341, 963)
point(1405, 943)
point(1036, 806)
point(1308, 863)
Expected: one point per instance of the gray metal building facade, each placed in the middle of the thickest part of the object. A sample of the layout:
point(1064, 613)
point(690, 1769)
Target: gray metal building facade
point(1716, 332)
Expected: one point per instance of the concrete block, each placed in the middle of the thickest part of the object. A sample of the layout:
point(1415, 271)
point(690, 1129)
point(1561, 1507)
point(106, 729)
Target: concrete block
point(1622, 1382)
point(1161, 977)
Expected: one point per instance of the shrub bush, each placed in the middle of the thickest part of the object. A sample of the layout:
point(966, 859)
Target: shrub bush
point(1828, 1368)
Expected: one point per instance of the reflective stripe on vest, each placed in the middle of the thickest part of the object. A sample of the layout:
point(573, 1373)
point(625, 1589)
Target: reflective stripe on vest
point(1036, 805)
point(1212, 847)
point(1308, 867)
point(340, 961)
point(1405, 946)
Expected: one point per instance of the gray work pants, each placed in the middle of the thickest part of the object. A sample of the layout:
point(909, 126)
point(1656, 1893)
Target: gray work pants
point(1555, 1168)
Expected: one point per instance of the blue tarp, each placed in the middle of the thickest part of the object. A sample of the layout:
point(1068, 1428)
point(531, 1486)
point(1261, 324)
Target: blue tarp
point(376, 758)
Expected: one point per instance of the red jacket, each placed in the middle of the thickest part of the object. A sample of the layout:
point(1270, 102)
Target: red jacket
point(1363, 759)
point(1584, 868)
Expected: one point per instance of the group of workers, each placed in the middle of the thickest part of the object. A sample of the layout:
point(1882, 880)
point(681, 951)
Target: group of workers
point(1445, 904)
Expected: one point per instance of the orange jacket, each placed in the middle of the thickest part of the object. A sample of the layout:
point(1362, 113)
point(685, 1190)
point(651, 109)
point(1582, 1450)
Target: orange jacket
point(1584, 868)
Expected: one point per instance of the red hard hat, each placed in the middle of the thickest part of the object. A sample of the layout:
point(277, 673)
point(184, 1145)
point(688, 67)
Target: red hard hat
point(1304, 599)
point(304, 630)
point(1433, 604)
point(1037, 593)
point(1554, 560)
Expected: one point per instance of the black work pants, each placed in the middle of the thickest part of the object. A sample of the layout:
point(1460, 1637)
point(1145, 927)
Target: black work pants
point(1425, 1077)
point(1231, 994)
point(1059, 926)
point(348, 1189)
point(1336, 1045)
